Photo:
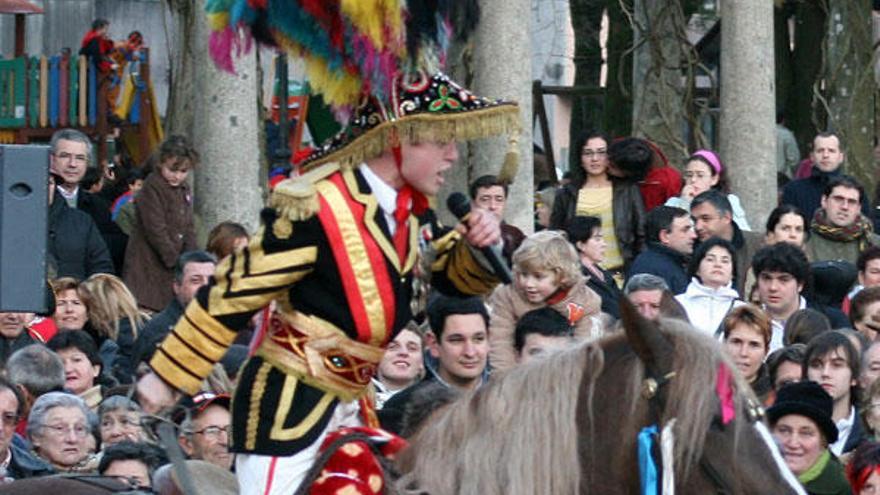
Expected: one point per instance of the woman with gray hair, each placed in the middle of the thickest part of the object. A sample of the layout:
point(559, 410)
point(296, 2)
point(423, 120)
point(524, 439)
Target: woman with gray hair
point(120, 419)
point(59, 430)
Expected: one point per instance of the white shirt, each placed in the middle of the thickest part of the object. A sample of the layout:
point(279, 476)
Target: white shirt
point(70, 197)
point(385, 195)
point(778, 327)
point(844, 428)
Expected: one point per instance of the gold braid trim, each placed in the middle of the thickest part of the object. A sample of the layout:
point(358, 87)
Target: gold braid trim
point(253, 420)
point(295, 200)
point(425, 127)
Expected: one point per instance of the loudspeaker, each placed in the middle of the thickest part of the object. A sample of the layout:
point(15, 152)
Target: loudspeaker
point(23, 227)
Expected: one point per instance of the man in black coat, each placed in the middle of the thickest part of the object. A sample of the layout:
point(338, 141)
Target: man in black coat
point(75, 247)
point(671, 238)
point(69, 157)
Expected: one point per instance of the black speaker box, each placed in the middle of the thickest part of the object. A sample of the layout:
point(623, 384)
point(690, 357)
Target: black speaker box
point(23, 227)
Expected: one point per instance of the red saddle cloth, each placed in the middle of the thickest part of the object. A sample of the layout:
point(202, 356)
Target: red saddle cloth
point(354, 469)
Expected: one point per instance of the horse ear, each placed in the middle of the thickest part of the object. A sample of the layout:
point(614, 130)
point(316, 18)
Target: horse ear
point(644, 336)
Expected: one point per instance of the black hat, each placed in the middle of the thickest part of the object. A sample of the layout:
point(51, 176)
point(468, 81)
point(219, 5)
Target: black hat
point(807, 399)
point(832, 280)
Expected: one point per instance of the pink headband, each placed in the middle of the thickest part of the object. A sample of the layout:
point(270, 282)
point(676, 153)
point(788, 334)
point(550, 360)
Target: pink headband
point(710, 157)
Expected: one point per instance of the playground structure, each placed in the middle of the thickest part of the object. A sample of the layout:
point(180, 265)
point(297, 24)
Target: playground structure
point(41, 94)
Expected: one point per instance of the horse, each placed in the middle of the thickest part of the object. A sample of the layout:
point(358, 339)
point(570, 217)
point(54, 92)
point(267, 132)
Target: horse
point(568, 424)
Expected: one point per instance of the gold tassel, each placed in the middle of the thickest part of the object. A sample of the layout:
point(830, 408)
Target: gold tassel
point(511, 161)
point(295, 200)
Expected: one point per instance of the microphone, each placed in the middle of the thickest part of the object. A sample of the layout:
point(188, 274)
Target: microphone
point(460, 206)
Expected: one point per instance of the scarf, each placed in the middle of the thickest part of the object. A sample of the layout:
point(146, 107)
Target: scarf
point(859, 230)
point(816, 469)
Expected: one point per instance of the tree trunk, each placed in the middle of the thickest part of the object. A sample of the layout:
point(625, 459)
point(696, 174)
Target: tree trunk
point(748, 104)
point(586, 19)
point(807, 60)
point(659, 96)
point(229, 181)
point(181, 109)
point(618, 89)
point(782, 45)
point(850, 87)
point(502, 69)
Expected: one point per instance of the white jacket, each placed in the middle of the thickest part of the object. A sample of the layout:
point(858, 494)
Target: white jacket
point(706, 307)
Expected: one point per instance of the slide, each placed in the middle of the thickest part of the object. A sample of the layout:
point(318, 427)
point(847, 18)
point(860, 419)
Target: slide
point(128, 109)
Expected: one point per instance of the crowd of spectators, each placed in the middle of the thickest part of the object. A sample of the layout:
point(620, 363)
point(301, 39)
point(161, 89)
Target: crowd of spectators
point(796, 303)
point(123, 263)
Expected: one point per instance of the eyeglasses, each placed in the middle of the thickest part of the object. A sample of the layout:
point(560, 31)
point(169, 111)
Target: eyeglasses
point(67, 156)
point(9, 419)
point(79, 431)
point(125, 423)
point(843, 200)
point(592, 153)
point(214, 431)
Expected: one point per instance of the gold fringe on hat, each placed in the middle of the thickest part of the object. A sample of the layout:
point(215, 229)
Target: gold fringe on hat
point(427, 127)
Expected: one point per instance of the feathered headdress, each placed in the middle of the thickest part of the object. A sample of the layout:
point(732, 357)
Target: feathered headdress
point(351, 48)
point(377, 63)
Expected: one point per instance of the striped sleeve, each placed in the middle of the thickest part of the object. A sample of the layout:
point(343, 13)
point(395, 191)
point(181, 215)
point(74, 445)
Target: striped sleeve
point(243, 284)
point(456, 270)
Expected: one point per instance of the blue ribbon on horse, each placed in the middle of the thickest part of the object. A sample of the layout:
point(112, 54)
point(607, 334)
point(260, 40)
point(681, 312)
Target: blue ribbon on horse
point(647, 465)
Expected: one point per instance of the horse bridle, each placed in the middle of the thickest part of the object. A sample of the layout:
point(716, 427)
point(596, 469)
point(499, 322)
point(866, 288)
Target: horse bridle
point(650, 391)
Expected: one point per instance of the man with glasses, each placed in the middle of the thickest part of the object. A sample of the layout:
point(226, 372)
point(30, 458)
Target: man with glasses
point(16, 461)
point(70, 154)
point(713, 217)
point(204, 434)
point(840, 230)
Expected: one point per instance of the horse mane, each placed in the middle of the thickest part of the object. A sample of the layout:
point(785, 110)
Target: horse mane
point(692, 398)
point(517, 435)
point(513, 436)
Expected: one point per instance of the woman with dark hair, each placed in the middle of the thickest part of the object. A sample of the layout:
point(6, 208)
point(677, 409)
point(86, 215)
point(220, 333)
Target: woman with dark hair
point(82, 365)
point(711, 293)
point(703, 171)
point(593, 191)
point(586, 235)
point(787, 223)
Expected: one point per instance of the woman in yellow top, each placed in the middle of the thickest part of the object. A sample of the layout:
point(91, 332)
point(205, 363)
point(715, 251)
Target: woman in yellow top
point(593, 191)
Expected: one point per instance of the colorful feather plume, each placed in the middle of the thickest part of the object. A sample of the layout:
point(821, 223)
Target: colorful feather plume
point(350, 47)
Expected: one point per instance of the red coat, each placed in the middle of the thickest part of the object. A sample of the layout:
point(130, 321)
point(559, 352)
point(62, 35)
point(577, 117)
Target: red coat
point(97, 48)
point(660, 184)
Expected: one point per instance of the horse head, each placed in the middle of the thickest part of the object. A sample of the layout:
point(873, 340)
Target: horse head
point(718, 432)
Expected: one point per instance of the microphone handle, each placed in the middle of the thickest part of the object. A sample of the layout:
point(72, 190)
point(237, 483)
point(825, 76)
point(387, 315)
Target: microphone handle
point(495, 258)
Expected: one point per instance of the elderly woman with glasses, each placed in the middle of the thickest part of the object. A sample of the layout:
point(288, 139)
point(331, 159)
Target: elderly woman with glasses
point(58, 428)
point(119, 419)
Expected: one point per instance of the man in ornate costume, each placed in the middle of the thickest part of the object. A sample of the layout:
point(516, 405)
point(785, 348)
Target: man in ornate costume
point(335, 254)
